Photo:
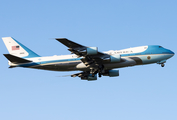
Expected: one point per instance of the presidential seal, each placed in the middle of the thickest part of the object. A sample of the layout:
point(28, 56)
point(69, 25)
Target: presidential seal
point(148, 57)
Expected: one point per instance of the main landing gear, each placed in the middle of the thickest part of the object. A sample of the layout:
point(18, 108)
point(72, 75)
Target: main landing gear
point(99, 70)
point(99, 74)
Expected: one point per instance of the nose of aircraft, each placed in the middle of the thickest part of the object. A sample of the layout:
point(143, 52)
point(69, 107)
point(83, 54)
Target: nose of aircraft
point(171, 52)
point(168, 52)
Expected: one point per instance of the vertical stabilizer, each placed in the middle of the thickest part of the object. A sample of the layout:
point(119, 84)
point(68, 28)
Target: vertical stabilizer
point(16, 48)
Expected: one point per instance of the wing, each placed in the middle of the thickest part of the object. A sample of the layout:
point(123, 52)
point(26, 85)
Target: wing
point(68, 43)
point(92, 58)
point(78, 49)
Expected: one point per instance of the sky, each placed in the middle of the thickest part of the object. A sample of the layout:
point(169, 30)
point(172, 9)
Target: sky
point(146, 92)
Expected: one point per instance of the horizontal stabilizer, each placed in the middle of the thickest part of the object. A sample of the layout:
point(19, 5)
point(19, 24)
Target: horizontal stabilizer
point(12, 66)
point(15, 59)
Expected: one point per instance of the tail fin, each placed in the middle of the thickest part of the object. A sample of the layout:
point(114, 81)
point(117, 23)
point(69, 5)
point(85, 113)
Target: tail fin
point(16, 48)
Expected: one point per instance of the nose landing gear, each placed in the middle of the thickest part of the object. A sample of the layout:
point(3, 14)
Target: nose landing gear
point(162, 65)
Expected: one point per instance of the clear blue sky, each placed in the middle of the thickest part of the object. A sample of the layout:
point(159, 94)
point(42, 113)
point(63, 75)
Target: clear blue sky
point(140, 93)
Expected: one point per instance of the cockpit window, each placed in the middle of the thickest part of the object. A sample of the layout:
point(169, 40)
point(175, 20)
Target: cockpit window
point(160, 46)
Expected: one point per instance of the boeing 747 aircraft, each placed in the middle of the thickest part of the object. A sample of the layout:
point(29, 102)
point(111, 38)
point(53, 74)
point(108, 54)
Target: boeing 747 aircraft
point(88, 60)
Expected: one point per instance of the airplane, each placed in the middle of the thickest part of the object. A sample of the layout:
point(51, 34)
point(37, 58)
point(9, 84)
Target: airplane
point(88, 60)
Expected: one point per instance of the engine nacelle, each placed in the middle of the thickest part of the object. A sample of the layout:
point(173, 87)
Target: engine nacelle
point(111, 73)
point(89, 77)
point(113, 58)
point(90, 50)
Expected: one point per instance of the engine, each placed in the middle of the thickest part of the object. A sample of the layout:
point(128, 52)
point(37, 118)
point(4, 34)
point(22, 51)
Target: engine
point(89, 77)
point(90, 51)
point(111, 73)
point(113, 58)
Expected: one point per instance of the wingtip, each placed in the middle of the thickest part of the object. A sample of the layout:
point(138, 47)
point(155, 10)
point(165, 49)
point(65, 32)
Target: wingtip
point(61, 38)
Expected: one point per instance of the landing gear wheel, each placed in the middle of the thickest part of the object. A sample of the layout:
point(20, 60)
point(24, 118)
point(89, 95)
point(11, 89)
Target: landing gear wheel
point(99, 74)
point(162, 65)
point(100, 69)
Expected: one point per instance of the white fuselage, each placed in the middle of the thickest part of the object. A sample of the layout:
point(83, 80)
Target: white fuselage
point(130, 57)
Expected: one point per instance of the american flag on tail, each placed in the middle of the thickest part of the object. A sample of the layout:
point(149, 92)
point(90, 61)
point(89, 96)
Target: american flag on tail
point(16, 47)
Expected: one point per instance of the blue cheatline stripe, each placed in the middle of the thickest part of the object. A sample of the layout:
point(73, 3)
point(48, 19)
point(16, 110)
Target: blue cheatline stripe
point(28, 64)
point(30, 52)
point(48, 62)
point(63, 60)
